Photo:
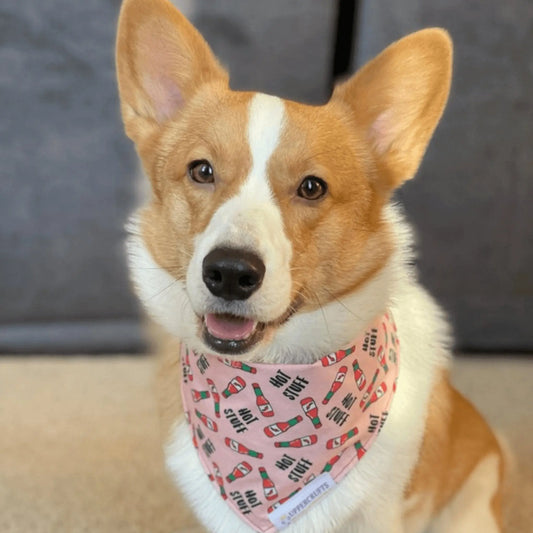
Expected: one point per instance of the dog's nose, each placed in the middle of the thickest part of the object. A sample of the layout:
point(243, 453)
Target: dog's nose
point(232, 274)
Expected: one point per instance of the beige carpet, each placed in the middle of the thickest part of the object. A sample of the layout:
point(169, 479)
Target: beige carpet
point(80, 451)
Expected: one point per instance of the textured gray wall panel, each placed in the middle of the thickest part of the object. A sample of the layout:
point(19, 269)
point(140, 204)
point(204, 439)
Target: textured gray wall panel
point(279, 47)
point(65, 164)
point(471, 201)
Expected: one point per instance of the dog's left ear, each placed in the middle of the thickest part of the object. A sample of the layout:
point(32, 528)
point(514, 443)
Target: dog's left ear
point(398, 99)
point(161, 61)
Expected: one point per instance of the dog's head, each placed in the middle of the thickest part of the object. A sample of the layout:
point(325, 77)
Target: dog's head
point(267, 215)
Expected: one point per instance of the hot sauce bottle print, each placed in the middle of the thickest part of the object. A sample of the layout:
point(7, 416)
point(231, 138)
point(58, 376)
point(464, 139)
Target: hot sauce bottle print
point(206, 421)
point(238, 364)
point(187, 373)
point(336, 385)
point(236, 385)
point(360, 449)
point(360, 378)
point(280, 427)
point(283, 500)
point(220, 481)
point(377, 394)
point(311, 410)
point(301, 442)
point(341, 439)
point(269, 488)
point(216, 396)
point(241, 470)
point(198, 395)
point(262, 403)
point(241, 448)
point(329, 465)
point(369, 390)
point(339, 355)
point(382, 359)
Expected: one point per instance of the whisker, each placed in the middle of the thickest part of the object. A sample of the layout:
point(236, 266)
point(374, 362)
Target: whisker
point(161, 291)
point(340, 302)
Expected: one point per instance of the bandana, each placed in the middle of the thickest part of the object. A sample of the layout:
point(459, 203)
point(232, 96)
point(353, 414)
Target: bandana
point(274, 438)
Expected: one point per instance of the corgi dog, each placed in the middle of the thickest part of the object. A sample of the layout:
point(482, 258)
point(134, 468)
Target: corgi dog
point(313, 366)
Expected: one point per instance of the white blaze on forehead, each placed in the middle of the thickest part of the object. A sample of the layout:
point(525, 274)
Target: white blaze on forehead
point(265, 123)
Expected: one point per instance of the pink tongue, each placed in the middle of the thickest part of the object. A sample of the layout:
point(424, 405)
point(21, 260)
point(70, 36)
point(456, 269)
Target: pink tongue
point(229, 328)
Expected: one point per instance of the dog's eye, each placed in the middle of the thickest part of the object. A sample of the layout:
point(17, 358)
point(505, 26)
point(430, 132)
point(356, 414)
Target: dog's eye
point(312, 188)
point(201, 171)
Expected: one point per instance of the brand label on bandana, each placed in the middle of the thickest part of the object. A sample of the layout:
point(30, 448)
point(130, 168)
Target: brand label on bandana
point(283, 515)
point(275, 438)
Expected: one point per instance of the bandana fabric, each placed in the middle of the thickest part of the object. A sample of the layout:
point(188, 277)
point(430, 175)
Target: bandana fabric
point(273, 438)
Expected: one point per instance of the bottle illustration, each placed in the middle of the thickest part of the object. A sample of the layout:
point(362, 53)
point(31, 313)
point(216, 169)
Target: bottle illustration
point(360, 378)
point(280, 427)
point(368, 390)
point(241, 470)
point(234, 386)
point(238, 364)
point(283, 500)
point(241, 448)
point(206, 421)
point(216, 396)
point(378, 393)
point(311, 410)
point(194, 439)
point(220, 481)
point(262, 403)
point(360, 449)
point(337, 356)
point(186, 363)
point(341, 439)
point(382, 359)
point(269, 488)
point(331, 462)
point(336, 385)
point(301, 442)
point(198, 395)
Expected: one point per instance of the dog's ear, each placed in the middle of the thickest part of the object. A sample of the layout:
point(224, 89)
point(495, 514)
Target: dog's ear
point(161, 61)
point(398, 99)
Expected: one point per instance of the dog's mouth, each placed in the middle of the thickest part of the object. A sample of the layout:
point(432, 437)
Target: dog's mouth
point(234, 335)
point(231, 334)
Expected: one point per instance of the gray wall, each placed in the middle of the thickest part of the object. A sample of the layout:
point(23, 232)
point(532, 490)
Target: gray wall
point(67, 171)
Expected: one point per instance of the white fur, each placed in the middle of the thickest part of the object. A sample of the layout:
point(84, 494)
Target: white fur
point(164, 297)
point(250, 220)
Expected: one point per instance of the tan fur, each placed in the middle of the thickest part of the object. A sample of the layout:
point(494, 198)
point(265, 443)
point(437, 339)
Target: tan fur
point(456, 439)
point(323, 266)
point(364, 143)
point(401, 113)
point(168, 378)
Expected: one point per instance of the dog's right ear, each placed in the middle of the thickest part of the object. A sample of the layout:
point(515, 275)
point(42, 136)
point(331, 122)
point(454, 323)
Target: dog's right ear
point(161, 61)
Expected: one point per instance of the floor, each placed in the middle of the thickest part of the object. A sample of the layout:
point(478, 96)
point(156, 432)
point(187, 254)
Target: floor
point(80, 448)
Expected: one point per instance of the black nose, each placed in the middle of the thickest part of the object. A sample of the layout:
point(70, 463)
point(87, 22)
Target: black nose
point(232, 274)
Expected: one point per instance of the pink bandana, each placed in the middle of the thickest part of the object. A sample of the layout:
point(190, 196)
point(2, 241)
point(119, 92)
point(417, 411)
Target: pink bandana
point(274, 438)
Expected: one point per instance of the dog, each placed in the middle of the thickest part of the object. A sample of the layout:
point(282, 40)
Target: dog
point(313, 365)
